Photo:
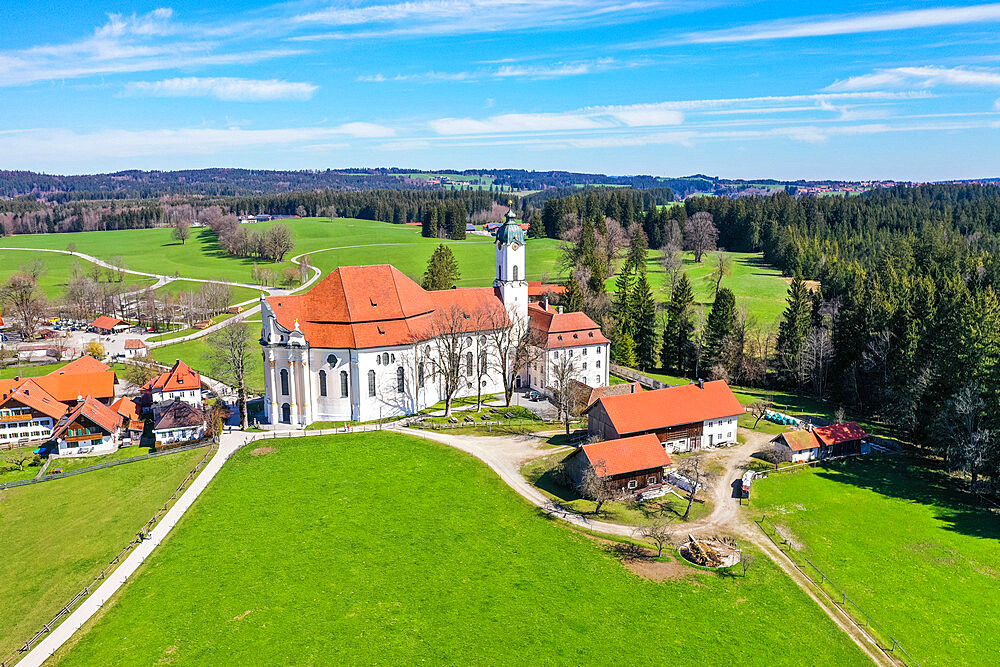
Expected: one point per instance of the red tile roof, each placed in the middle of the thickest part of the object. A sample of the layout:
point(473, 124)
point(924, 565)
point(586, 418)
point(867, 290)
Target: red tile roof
point(670, 406)
point(625, 455)
point(83, 365)
point(134, 344)
point(372, 306)
point(553, 330)
point(538, 288)
point(29, 394)
point(126, 407)
point(837, 433)
point(71, 386)
point(105, 322)
point(95, 412)
point(799, 441)
point(179, 377)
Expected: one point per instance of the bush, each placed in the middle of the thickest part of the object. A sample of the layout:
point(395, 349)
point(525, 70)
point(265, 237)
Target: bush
point(774, 455)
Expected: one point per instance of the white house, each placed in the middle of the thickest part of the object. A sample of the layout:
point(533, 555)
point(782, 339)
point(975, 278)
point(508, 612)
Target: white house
point(360, 344)
point(179, 383)
point(89, 428)
point(570, 341)
point(179, 422)
point(135, 347)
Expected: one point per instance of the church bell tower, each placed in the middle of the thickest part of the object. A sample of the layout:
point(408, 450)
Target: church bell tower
point(511, 281)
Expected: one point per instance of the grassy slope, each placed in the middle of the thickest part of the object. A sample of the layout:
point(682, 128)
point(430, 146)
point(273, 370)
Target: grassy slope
point(54, 281)
point(301, 560)
point(904, 545)
point(195, 353)
point(57, 535)
point(239, 294)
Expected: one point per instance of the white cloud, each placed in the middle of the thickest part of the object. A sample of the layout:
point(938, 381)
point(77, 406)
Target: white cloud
point(224, 88)
point(919, 77)
point(515, 122)
point(818, 26)
point(551, 71)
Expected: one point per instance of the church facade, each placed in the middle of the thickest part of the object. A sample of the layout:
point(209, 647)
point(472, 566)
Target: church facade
point(364, 342)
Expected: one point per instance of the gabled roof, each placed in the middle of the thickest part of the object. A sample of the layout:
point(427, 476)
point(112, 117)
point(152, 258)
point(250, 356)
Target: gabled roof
point(134, 344)
point(71, 386)
point(625, 455)
point(126, 407)
point(538, 288)
point(837, 433)
point(93, 411)
point(30, 394)
point(85, 364)
point(373, 306)
point(178, 378)
point(583, 395)
point(799, 441)
point(553, 330)
point(670, 406)
point(179, 415)
point(105, 322)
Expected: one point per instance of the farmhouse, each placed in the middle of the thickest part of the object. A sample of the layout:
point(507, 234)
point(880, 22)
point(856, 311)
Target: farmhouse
point(683, 418)
point(133, 426)
point(134, 347)
point(180, 382)
point(583, 395)
point(626, 465)
point(90, 427)
point(179, 422)
point(824, 442)
point(362, 343)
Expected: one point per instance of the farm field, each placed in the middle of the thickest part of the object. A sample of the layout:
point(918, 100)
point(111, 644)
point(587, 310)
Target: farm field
point(301, 560)
point(905, 545)
point(57, 535)
point(59, 268)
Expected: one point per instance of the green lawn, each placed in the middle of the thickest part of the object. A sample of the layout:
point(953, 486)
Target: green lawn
point(239, 294)
point(8, 455)
point(58, 535)
point(28, 371)
point(58, 267)
point(897, 537)
point(669, 508)
point(195, 353)
point(76, 463)
point(295, 556)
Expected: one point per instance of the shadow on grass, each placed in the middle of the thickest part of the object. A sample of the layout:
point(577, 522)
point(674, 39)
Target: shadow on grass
point(921, 480)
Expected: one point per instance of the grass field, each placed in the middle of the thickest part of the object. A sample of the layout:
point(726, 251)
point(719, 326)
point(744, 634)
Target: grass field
point(919, 556)
point(58, 535)
point(171, 289)
point(59, 268)
point(195, 353)
point(296, 557)
point(8, 455)
point(76, 463)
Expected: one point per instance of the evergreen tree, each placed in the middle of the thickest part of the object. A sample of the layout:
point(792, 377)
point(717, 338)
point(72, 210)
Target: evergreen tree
point(719, 330)
point(637, 249)
point(794, 326)
point(537, 228)
point(429, 224)
point(623, 349)
point(572, 301)
point(677, 353)
point(644, 323)
point(442, 269)
point(624, 302)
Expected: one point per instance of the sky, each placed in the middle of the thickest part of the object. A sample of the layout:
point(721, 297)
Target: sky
point(788, 90)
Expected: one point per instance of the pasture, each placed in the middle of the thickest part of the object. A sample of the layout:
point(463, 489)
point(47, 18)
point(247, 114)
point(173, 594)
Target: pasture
point(896, 536)
point(298, 555)
point(58, 535)
point(59, 268)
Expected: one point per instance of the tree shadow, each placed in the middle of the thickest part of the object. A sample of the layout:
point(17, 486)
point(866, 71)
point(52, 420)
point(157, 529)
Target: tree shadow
point(921, 480)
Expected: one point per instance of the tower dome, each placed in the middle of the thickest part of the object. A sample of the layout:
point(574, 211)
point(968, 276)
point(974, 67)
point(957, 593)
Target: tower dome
point(510, 231)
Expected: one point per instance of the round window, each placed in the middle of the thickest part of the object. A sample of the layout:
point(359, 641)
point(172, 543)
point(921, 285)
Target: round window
point(332, 359)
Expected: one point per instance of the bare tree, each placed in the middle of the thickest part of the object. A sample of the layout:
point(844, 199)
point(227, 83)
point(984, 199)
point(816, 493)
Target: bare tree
point(511, 349)
point(593, 487)
point(36, 268)
point(816, 358)
point(25, 301)
point(698, 475)
point(672, 258)
point(564, 369)
point(658, 533)
point(182, 231)
point(747, 560)
point(140, 370)
point(722, 266)
point(449, 343)
point(759, 410)
point(700, 234)
point(231, 351)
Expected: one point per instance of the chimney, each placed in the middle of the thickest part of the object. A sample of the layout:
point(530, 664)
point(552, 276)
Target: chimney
point(546, 302)
point(701, 383)
point(560, 310)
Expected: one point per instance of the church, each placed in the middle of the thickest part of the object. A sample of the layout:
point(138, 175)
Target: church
point(362, 343)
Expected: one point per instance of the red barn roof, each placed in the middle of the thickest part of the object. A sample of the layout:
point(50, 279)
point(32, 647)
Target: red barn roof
point(372, 306)
point(799, 441)
point(625, 455)
point(837, 433)
point(71, 386)
point(670, 406)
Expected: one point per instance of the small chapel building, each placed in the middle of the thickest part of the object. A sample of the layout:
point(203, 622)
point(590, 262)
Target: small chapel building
point(361, 344)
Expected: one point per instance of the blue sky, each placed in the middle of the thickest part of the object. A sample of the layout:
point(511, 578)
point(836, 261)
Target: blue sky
point(856, 90)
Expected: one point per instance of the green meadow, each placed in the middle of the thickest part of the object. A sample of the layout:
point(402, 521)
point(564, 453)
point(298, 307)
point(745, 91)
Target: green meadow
point(195, 353)
point(175, 287)
point(298, 555)
point(57, 536)
point(898, 537)
point(59, 268)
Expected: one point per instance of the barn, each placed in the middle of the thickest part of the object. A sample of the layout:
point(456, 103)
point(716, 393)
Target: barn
point(626, 465)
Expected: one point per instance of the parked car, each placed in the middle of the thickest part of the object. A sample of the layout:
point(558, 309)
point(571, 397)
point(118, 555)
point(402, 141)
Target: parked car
point(534, 395)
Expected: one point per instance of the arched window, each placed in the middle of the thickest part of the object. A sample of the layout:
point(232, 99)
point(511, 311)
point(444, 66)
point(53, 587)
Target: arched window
point(343, 383)
point(499, 273)
point(515, 272)
point(371, 383)
point(468, 363)
point(378, 359)
point(482, 362)
point(400, 381)
point(385, 357)
point(284, 381)
point(286, 414)
point(420, 374)
point(322, 383)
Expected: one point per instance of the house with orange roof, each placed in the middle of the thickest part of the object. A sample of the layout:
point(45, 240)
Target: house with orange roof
point(28, 413)
point(823, 442)
point(135, 347)
point(181, 382)
point(90, 428)
point(568, 342)
point(360, 344)
point(626, 465)
point(106, 325)
point(683, 418)
point(132, 423)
